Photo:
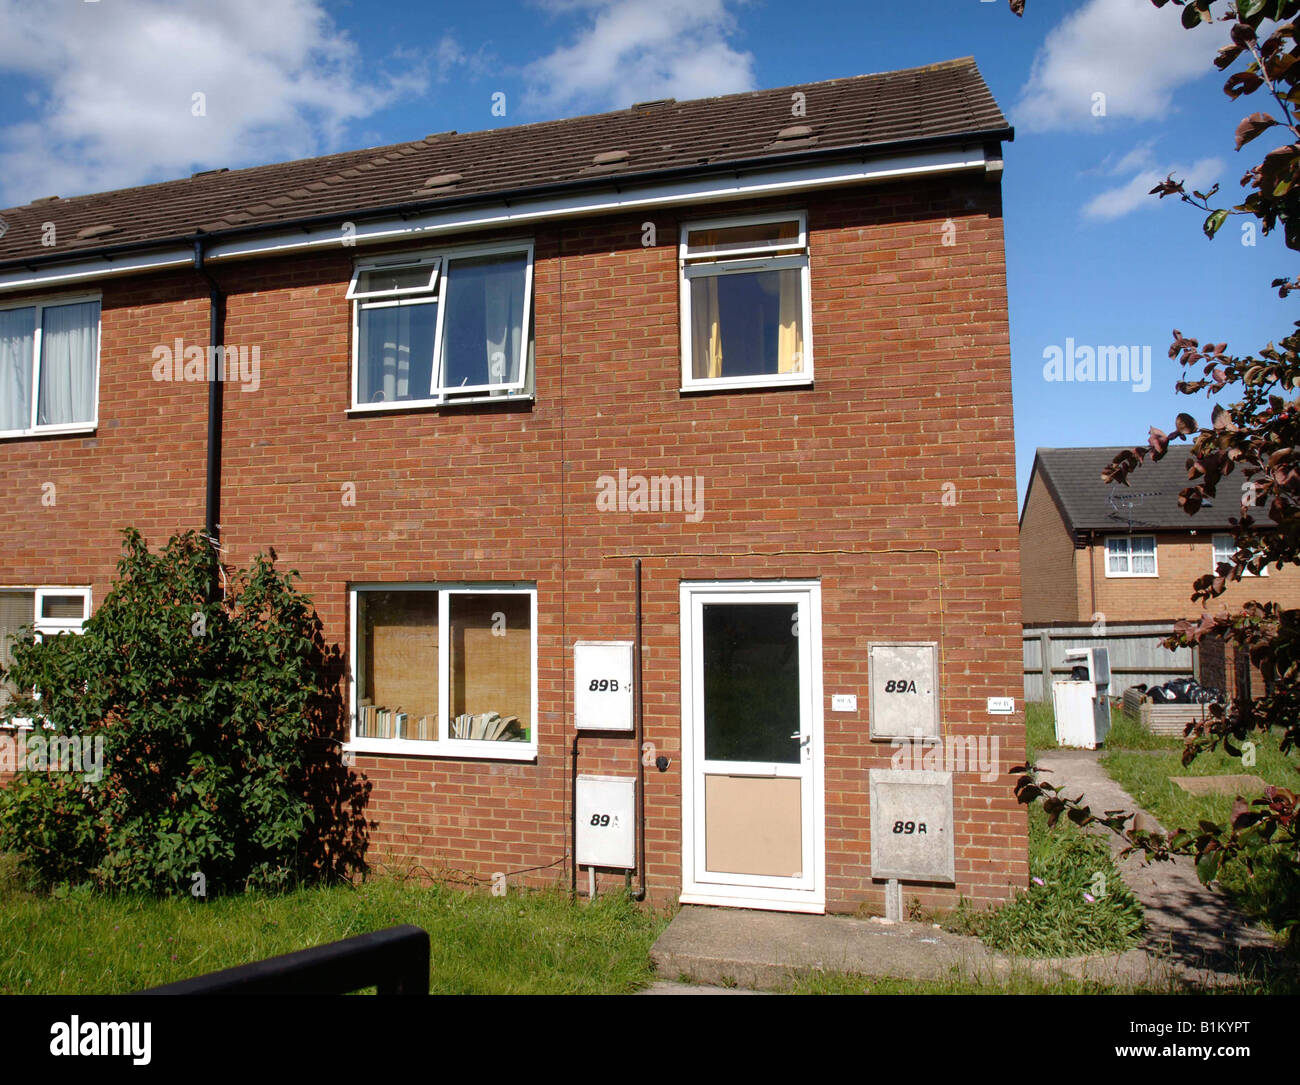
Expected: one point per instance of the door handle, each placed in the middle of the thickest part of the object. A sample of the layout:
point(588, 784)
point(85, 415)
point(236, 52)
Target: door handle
point(803, 739)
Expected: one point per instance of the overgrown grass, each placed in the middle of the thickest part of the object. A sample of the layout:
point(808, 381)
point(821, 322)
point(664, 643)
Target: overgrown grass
point(1040, 728)
point(523, 943)
point(1127, 733)
point(1146, 776)
point(1077, 903)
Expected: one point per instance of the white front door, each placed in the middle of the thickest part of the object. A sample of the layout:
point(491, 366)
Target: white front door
point(752, 804)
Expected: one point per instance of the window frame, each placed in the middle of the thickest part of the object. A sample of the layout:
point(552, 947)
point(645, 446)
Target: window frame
point(41, 304)
point(435, 294)
point(777, 256)
point(444, 746)
point(1130, 575)
point(1214, 560)
point(48, 626)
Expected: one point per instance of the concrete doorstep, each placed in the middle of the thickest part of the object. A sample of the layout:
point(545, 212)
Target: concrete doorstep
point(728, 947)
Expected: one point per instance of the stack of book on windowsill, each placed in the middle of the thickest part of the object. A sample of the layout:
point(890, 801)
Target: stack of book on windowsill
point(487, 727)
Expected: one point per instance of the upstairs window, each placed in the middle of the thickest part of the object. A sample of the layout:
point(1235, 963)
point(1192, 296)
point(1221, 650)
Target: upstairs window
point(745, 303)
point(442, 327)
point(1131, 555)
point(1224, 548)
point(49, 367)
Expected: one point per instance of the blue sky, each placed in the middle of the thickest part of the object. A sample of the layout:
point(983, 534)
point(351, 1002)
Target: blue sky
point(100, 94)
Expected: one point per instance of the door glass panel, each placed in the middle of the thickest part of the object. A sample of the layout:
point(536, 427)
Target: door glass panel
point(751, 682)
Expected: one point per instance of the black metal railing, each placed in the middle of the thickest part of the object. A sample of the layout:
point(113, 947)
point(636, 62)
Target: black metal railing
point(394, 961)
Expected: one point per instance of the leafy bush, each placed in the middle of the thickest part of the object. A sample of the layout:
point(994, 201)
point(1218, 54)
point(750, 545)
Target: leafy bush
point(1067, 910)
point(220, 717)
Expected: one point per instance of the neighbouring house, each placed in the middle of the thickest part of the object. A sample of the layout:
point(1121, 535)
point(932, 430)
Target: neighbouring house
point(1090, 550)
point(1123, 560)
point(632, 447)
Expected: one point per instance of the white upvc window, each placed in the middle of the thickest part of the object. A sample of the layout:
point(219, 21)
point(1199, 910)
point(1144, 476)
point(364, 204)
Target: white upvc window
point(1131, 555)
point(49, 611)
point(49, 366)
point(746, 302)
point(444, 670)
point(1224, 548)
point(442, 327)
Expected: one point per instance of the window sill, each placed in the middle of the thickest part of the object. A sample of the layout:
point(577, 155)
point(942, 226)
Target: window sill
point(1132, 576)
point(81, 428)
point(740, 384)
point(462, 749)
point(411, 406)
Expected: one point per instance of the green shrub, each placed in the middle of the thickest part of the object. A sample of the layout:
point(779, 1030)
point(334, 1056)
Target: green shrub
point(220, 717)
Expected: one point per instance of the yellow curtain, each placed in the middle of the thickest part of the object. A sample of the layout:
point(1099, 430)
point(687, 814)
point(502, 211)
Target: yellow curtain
point(706, 348)
point(789, 343)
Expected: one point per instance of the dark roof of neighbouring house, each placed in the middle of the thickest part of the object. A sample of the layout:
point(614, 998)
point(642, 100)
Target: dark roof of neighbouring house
point(945, 102)
point(1149, 501)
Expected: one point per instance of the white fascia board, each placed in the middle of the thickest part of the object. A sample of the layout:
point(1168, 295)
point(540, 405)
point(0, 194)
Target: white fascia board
point(97, 267)
point(484, 216)
point(691, 190)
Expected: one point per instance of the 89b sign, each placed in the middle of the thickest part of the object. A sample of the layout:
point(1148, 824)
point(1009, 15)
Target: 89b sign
point(907, 828)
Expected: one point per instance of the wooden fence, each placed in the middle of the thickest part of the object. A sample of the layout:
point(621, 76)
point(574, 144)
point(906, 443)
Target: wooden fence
point(1136, 654)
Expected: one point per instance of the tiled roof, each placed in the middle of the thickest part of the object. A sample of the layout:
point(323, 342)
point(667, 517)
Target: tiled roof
point(1149, 501)
point(940, 102)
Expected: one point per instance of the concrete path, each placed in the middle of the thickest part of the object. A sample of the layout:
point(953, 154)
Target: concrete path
point(1188, 922)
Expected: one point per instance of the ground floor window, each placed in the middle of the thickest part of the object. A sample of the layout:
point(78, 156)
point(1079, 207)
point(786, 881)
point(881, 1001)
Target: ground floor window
point(446, 670)
point(48, 611)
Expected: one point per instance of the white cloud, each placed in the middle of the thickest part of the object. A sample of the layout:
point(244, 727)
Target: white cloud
point(1135, 193)
point(1135, 54)
point(628, 51)
point(116, 83)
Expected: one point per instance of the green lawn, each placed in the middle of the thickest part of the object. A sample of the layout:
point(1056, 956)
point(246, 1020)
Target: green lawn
point(523, 943)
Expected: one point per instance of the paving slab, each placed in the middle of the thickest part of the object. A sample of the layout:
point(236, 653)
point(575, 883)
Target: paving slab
point(663, 987)
point(1237, 783)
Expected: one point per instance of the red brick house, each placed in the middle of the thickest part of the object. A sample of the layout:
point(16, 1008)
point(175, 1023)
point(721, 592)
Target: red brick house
point(497, 394)
point(1128, 553)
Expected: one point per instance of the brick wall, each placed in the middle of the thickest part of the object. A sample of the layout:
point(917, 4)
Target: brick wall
point(1048, 584)
point(1180, 559)
point(910, 342)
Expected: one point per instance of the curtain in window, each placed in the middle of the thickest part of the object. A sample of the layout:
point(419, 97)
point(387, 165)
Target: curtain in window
point(503, 316)
point(1144, 555)
point(789, 340)
point(68, 342)
point(387, 354)
point(1116, 555)
point(706, 328)
point(16, 609)
point(17, 332)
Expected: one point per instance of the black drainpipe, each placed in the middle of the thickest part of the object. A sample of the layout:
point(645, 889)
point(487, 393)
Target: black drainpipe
point(640, 745)
point(216, 388)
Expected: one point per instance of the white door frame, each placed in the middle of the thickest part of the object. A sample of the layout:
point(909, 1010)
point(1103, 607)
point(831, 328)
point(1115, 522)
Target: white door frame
point(808, 894)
